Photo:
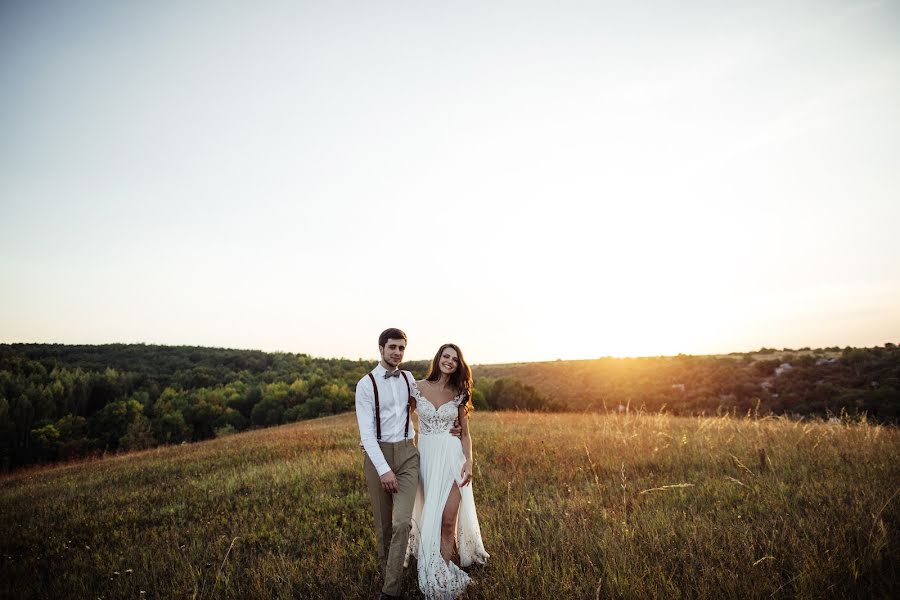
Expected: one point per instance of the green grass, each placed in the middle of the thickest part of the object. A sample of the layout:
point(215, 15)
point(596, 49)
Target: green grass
point(571, 506)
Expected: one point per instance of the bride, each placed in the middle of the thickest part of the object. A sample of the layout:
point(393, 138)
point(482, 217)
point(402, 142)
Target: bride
point(444, 520)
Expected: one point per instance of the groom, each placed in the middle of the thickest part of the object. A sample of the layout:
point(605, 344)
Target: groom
point(391, 463)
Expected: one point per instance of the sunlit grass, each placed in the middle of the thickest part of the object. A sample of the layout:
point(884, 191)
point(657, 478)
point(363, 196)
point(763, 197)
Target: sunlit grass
point(571, 506)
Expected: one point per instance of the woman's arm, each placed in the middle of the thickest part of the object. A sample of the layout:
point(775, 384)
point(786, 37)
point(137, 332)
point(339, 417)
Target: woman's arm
point(466, 440)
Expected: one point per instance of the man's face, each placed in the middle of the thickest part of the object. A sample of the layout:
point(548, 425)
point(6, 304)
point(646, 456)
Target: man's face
point(392, 352)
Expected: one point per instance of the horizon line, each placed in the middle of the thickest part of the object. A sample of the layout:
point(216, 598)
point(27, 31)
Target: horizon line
point(509, 362)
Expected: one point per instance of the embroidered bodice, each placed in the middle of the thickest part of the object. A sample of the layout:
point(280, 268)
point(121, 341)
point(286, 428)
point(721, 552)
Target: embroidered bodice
point(436, 420)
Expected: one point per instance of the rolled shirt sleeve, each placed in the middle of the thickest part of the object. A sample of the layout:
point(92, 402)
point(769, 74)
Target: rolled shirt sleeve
point(365, 418)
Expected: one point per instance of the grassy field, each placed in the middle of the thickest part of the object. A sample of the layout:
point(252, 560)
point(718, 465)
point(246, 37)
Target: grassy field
point(571, 506)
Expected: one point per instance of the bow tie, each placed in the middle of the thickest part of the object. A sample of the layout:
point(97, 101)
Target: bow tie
point(394, 374)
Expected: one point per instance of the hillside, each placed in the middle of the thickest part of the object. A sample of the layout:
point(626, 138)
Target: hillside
point(571, 506)
point(820, 383)
point(59, 402)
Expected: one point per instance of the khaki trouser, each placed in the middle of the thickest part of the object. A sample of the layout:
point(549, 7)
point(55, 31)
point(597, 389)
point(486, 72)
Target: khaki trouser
point(393, 512)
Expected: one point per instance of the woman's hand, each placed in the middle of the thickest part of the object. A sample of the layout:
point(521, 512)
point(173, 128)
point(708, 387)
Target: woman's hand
point(466, 473)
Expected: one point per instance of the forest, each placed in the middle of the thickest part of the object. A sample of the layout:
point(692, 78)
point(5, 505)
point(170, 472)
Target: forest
point(59, 402)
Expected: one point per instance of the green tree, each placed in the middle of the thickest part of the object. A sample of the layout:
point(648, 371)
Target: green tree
point(5, 423)
point(171, 428)
point(298, 391)
point(111, 422)
point(230, 418)
point(511, 394)
point(479, 401)
point(268, 412)
point(201, 414)
point(139, 434)
point(45, 442)
point(245, 401)
point(22, 415)
point(74, 440)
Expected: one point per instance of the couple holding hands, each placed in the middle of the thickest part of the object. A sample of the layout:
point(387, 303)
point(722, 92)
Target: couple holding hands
point(421, 496)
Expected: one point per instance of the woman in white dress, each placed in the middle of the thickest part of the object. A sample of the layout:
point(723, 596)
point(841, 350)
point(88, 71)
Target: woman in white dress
point(444, 521)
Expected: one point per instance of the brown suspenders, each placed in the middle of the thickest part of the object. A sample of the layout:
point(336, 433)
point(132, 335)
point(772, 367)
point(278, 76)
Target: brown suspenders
point(410, 402)
point(378, 406)
point(377, 409)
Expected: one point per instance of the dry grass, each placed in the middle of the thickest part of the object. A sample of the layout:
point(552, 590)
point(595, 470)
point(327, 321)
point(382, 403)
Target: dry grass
point(571, 506)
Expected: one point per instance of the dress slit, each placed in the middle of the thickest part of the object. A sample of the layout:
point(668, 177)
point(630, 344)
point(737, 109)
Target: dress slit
point(453, 483)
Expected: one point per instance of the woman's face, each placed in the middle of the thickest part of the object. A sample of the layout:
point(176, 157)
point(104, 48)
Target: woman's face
point(449, 361)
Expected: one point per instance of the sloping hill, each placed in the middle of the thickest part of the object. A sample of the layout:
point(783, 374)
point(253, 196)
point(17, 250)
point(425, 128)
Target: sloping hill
point(59, 401)
point(571, 506)
point(815, 383)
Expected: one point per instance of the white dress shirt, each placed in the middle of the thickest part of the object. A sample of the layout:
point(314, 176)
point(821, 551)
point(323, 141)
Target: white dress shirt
point(393, 398)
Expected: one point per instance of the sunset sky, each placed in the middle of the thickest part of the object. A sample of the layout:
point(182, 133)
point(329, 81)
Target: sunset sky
point(531, 180)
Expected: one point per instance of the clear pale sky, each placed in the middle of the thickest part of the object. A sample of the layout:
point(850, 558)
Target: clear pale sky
point(532, 180)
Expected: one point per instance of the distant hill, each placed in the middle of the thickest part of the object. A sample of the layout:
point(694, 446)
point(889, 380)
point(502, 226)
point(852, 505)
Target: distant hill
point(820, 382)
point(60, 401)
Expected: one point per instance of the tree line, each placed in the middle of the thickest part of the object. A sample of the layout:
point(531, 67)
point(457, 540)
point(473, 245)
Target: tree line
point(59, 401)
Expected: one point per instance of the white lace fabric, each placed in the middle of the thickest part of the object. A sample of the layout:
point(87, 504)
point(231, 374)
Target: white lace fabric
point(436, 420)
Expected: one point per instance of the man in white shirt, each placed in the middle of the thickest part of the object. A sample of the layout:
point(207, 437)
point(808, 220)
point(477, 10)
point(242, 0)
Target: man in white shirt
point(391, 462)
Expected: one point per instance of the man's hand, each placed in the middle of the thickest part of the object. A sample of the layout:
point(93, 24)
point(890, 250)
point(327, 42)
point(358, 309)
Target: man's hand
point(389, 482)
point(456, 430)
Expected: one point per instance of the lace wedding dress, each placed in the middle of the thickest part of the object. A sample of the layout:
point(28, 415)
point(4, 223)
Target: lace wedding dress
point(441, 460)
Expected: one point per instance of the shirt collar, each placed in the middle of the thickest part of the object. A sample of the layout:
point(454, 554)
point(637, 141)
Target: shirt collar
point(379, 370)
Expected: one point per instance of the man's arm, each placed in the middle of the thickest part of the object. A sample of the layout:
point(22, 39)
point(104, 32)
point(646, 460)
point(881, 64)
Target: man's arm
point(456, 430)
point(365, 418)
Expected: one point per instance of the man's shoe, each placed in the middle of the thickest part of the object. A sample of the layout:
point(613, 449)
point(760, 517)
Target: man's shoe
point(384, 596)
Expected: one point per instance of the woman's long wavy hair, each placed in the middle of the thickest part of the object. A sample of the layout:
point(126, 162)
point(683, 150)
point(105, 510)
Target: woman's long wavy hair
point(460, 379)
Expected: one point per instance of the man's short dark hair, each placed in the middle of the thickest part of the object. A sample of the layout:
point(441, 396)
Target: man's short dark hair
point(391, 334)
